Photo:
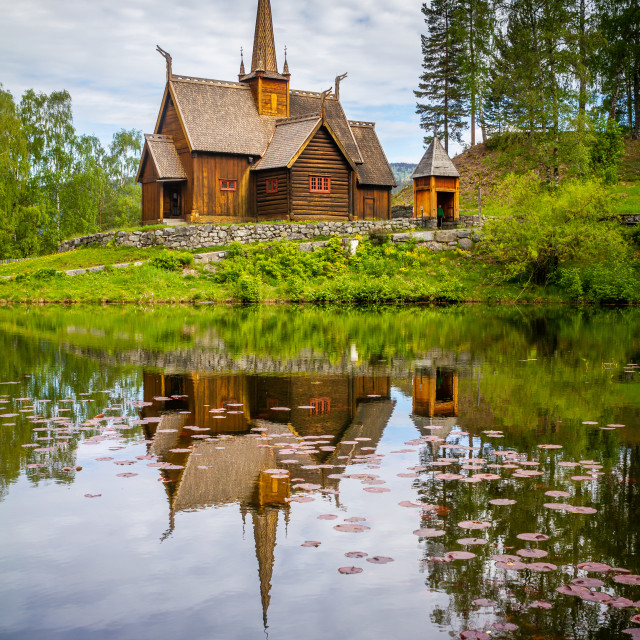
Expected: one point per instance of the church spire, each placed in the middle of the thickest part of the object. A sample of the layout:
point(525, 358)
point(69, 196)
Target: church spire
point(264, 48)
point(242, 71)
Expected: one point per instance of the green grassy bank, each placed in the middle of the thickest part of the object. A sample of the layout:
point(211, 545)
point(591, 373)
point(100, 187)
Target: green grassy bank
point(377, 274)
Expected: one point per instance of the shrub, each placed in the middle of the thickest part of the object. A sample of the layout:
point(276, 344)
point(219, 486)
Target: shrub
point(540, 229)
point(166, 260)
point(45, 273)
point(248, 289)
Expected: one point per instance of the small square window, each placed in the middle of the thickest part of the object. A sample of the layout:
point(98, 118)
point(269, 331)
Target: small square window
point(272, 185)
point(319, 184)
point(228, 185)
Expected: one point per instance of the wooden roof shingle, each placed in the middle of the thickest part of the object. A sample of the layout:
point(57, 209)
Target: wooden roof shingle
point(436, 162)
point(375, 169)
point(165, 157)
point(305, 102)
point(289, 137)
point(221, 117)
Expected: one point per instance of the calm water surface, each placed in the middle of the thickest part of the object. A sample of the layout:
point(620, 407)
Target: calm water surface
point(208, 474)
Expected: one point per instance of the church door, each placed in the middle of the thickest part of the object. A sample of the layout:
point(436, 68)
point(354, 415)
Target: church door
point(369, 208)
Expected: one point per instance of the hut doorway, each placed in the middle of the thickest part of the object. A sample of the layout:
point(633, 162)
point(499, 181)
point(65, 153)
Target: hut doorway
point(446, 201)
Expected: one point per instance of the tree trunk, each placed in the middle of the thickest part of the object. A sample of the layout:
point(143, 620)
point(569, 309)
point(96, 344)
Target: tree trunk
point(582, 98)
point(636, 102)
point(616, 92)
point(474, 77)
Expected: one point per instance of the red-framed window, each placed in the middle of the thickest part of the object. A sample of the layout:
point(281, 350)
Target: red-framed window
point(321, 406)
point(228, 185)
point(272, 185)
point(319, 184)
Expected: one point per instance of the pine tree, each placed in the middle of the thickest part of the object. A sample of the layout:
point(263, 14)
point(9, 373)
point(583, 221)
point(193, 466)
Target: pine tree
point(475, 20)
point(440, 91)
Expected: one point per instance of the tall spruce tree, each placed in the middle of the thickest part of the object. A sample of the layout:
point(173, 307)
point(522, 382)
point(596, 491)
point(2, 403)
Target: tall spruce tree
point(475, 20)
point(440, 91)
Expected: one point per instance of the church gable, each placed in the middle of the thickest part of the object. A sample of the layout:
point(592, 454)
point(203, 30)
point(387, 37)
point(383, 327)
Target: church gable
point(234, 151)
point(320, 180)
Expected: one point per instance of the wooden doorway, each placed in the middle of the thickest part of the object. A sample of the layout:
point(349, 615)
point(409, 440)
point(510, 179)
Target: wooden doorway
point(446, 201)
point(369, 208)
point(173, 201)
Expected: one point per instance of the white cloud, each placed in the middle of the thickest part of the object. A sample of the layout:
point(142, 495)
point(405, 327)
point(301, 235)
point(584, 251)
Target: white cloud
point(103, 53)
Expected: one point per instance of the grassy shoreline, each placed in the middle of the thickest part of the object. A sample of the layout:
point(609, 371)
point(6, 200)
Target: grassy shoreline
point(273, 274)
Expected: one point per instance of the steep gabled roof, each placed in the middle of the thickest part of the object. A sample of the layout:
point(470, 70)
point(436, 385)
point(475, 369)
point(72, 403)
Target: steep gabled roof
point(305, 102)
point(290, 139)
point(375, 169)
point(164, 156)
point(290, 136)
point(436, 162)
point(221, 117)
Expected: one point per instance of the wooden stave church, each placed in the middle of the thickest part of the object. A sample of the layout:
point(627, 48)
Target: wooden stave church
point(255, 150)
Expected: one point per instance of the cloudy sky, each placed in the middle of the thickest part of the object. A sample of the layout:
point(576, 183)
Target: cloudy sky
point(103, 53)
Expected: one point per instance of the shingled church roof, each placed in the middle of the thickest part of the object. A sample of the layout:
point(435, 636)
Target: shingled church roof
point(435, 162)
point(221, 117)
point(375, 169)
point(165, 158)
point(305, 102)
point(289, 137)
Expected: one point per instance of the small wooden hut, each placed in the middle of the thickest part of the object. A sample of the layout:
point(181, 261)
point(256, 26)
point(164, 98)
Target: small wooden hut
point(436, 183)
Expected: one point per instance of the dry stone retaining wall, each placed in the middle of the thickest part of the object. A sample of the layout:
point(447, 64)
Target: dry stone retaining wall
point(208, 235)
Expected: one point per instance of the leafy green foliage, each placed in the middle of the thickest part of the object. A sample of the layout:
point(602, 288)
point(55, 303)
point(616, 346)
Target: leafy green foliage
point(55, 183)
point(564, 236)
point(171, 261)
point(375, 275)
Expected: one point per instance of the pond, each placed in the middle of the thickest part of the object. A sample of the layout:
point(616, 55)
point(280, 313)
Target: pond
point(284, 473)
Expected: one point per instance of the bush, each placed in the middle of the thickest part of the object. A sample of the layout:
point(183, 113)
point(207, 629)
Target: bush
point(45, 273)
point(171, 261)
point(248, 289)
point(540, 230)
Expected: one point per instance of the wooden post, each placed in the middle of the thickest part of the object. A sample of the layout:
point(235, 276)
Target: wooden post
point(479, 201)
point(433, 204)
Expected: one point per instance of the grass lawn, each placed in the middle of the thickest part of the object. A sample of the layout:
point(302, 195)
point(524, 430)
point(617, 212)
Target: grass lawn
point(79, 259)
point(625, 197)
point(426, 277)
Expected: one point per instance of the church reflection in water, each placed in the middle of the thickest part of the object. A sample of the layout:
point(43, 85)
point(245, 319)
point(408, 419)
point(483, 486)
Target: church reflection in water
point(224, 435)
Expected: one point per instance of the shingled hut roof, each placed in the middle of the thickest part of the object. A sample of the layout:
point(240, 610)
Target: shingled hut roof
point(435, 162)
point(165, 157)
point(221, 117)
point(375, 169)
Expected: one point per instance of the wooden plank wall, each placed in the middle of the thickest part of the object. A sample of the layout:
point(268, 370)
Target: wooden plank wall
point(381, 202)
point(272, 206)
point(209, 200)
point(169, 125)
point(446, 183)
point(280, 90)
point(321, 157)
point(151, 202)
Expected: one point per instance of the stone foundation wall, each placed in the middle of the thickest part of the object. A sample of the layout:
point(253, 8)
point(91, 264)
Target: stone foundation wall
point(208, 235)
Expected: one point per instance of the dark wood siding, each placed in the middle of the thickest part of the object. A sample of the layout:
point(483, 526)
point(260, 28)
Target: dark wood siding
point(151, 202)
point(272, 206)
point(209, 200)
point(169, 125)
point(321, 157)
point(376, 198)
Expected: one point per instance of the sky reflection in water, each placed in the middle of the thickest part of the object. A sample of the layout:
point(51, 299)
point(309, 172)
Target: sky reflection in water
point(205, 540)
